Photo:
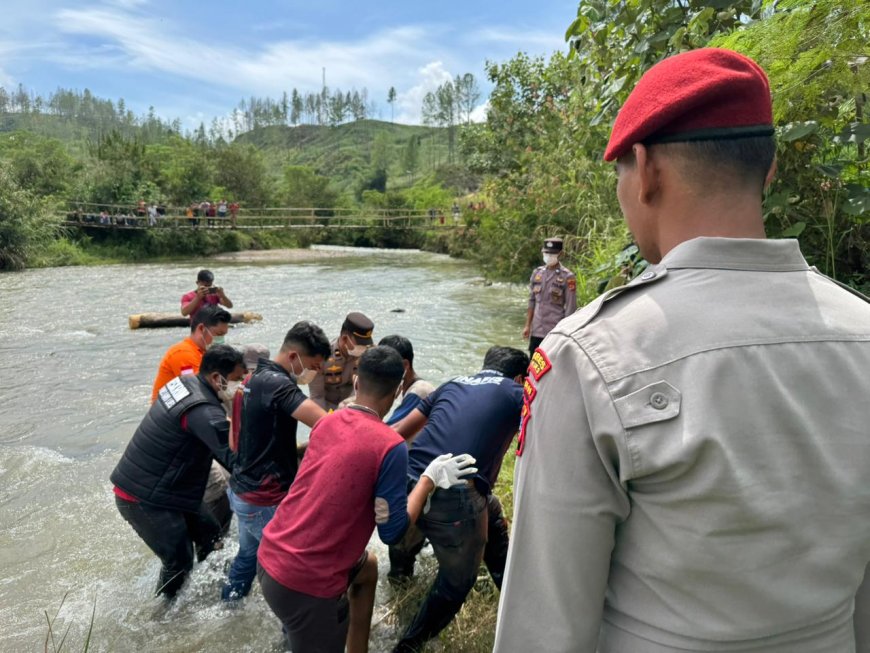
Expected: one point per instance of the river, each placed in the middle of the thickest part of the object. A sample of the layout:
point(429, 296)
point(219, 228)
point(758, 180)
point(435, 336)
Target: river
point(76, 383)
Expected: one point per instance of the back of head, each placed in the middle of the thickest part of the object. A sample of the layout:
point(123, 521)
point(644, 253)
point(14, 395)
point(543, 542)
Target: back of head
point(222, 359)
point(307, 337)
point(253, 353)
point(205, 276)
point(210, 316)
point(507, 360)
point(401, 344)
point(710, 110)
point(380, 372)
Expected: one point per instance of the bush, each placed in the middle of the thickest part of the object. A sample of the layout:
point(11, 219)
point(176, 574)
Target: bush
point(27, 224)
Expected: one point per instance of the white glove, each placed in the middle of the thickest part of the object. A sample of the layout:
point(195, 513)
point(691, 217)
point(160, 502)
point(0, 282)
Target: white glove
point(447, 470)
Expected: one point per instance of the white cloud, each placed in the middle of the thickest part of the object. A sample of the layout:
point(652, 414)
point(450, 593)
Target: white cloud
point(533, 41)
point(410, 102)
point(142, 43)
point(480, 112)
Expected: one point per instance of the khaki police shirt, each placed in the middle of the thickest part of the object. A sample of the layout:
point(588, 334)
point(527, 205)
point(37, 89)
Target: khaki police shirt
point(695, 473)
point(553, 296)
point(335, 381)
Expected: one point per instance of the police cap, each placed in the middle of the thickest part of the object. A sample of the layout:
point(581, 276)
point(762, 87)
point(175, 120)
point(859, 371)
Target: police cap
point(552, 246)
point(360, 327)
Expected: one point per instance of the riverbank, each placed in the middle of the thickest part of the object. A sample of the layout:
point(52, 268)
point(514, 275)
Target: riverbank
point(75, 248)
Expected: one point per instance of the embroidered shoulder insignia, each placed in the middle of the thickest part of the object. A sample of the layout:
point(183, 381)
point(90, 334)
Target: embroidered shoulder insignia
point(539, 364)
point(572, 283)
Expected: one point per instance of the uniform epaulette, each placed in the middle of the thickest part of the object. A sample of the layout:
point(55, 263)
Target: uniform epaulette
point(586, 314)
point(842, 285)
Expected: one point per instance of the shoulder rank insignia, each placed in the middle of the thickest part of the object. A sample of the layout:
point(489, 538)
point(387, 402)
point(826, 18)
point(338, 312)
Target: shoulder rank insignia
point(539, 364)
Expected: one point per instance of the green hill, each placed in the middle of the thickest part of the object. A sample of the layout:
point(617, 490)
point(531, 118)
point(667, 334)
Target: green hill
point(347, 152)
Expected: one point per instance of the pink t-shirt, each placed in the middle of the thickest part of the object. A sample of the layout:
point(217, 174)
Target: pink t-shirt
point(188, 297)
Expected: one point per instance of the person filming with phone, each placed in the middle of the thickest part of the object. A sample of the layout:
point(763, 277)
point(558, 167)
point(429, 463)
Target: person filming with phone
point(206, 294)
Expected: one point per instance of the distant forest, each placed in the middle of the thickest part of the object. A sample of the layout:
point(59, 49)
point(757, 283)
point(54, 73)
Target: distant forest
point(451, 104)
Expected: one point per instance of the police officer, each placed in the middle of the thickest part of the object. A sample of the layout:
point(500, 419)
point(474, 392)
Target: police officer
point(335, 382)
point(160, 479)
point(695, 454)
point(552, 294)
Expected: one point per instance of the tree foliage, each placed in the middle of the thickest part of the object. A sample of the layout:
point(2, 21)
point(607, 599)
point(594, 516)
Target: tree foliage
point(26, 222)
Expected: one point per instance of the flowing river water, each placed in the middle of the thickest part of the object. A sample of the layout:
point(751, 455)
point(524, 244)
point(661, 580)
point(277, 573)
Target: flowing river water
point(76, 382)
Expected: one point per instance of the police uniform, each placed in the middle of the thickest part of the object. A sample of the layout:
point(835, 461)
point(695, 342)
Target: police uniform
point(694, 462)
point(334, 384)
point(552, 295)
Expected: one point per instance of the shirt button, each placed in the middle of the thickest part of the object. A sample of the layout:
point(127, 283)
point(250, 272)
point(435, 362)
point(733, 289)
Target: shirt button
point(658, 400)
point(648, 275)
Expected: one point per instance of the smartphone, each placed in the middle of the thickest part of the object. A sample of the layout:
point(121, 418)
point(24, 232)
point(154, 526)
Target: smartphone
point(212, 290)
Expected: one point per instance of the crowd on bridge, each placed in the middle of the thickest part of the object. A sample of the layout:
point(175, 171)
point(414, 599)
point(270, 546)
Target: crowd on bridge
point(692, 446)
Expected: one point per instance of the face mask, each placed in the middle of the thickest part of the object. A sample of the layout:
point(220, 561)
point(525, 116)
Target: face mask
point(551, 259)
point(356, 351)
point(215, 340)
point(304, 377)
point(227, 390)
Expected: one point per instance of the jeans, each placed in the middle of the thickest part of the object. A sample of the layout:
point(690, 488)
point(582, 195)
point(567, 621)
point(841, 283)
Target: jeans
point(252, 520)
point(171, 535)
point(456, 526)
point(403, 555)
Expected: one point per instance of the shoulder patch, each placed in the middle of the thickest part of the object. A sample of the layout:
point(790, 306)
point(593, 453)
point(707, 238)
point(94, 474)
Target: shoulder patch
point(529, 391)
point(572, 283)
point(539, 364)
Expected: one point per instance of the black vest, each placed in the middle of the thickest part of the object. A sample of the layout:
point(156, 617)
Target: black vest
point(164, 465)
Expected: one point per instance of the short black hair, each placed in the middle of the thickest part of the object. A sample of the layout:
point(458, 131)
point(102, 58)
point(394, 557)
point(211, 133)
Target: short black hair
point(206, 276)
point(380, 371)
point(401, 344)
point(210, 316)
point(309, 337)
point(507, 360)
point(725, 161)
point(223, 359)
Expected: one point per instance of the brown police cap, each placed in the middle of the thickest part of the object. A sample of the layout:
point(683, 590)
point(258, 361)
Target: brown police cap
point(552, 245)
point(360, 327)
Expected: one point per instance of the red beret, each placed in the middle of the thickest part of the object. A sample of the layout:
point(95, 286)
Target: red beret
point(704, 94)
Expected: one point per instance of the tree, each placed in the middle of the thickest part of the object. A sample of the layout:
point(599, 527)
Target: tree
point(26, 223)
point(296, 108)
point(411, 156)
point(303, 188)
point(467, 94)
point(391, 100)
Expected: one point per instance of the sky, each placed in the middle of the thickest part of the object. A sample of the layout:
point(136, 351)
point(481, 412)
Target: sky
point(196, 60)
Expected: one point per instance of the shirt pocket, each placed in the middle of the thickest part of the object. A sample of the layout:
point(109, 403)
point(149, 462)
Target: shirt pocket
point(656, 402)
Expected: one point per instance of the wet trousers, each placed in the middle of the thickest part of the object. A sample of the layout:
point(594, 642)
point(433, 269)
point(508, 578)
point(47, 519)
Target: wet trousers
point(172, 535)
point(464, 527)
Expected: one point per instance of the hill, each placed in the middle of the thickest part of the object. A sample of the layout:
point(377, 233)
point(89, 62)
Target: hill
point(349, 152)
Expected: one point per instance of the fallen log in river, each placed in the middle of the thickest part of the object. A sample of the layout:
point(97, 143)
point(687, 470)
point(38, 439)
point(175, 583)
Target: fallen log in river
point(160, 320)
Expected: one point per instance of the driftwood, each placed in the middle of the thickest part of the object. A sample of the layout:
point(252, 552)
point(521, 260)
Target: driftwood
point(159, 320)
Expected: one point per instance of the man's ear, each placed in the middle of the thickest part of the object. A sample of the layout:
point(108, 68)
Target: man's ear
point(648, 173)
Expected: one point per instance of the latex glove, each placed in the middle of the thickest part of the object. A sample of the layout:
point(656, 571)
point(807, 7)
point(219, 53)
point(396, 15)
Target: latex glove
point(447, 470)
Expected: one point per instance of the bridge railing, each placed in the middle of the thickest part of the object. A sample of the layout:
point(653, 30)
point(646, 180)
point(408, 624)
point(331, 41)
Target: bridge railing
point(127, 217)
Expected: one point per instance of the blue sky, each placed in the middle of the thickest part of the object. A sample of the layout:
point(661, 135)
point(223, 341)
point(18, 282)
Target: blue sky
point(194, 61)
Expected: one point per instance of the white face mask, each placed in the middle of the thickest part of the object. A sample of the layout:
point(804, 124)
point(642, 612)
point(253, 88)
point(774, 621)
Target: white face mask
point(228, 389)
point(551, 259)
point(304, 377)
point(354, 350)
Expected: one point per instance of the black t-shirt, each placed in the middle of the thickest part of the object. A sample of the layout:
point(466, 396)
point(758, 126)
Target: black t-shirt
point(478, 415)
point(266, 463)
